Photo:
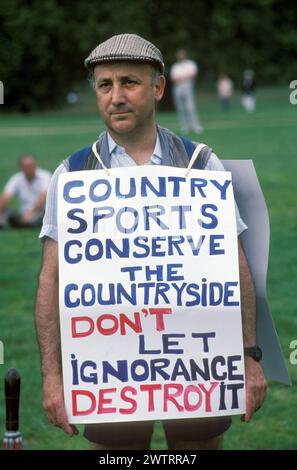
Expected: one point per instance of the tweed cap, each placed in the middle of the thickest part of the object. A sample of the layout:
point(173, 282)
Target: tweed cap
point(125, 47)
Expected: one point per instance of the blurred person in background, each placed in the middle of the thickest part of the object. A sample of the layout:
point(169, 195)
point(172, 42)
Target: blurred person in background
point(248, 99)
point(183, 74)
point(29, 186)
point(225, 89)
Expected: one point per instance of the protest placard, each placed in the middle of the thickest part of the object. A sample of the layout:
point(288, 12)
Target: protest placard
point(149, 295)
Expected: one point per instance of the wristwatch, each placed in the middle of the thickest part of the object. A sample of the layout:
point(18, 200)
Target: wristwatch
point(255, 352)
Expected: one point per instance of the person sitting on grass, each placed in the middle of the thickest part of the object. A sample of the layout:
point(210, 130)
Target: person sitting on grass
point(30, 187)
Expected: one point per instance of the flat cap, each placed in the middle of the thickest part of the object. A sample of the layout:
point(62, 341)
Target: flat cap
point(125, 47)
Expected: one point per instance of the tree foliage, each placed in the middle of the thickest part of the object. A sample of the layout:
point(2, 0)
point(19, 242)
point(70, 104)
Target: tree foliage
point(44, 42)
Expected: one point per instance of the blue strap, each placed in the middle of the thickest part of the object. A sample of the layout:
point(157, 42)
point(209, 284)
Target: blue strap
point(78, 159)
point(190, 147)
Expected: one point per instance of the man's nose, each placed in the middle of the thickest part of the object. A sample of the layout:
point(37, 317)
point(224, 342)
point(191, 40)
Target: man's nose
point(118, 94)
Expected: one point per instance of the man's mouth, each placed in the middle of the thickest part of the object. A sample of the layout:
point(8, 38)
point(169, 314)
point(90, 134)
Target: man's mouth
point(119, 113)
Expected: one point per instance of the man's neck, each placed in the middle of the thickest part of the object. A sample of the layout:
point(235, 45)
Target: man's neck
point(138, 145)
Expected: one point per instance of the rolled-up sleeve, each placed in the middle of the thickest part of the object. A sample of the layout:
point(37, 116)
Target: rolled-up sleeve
point(50, 225)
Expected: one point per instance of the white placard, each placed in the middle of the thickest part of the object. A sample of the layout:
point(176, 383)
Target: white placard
point(149, 295)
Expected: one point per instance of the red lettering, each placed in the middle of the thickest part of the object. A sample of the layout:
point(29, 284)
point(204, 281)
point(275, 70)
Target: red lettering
point(168, 396)
point(150, 389)
point(102, 401)
point(124, 397)
point(107, 331)
point(159, 312)
point(135, 326)
point(91, 396)
point(208, 394)
point(80, 334)
point(192, 389)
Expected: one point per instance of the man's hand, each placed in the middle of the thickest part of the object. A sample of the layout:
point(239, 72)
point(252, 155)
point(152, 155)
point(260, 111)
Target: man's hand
point(53, 402)
point(255, 387)
point(28, 215)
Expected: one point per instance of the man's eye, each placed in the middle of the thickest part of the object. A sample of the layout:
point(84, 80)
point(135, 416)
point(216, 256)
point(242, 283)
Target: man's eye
point(103, 86)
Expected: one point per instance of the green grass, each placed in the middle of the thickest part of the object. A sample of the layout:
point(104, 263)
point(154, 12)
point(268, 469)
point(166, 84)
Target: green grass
point(269, 137)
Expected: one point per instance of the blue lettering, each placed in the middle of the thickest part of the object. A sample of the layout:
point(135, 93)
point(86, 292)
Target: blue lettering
point(157, 271)
point(104, 186)
point(176, 180)
point(229, 293)
point(68, 258)
point(232, 368)
point(180, 369)
point(218, 360)
point(220, 290)
point(136, 374)
point(153, 212)
point(212, 217)
point(142, 347)
point(88, 295)
point(192, 290)
point(196, 248)
point(222, 189)
point(94, 249)
point(181, 210)
point(214, 245)
point(172, 272)
point(205, 337)
point(132, 190)
point(123, 252)
point(68, 289)
point(198, 183)
point(141, 242)
point(135, 219)
point(91, 378)
point(121, 373)
point(101, 213)
point(74, 370)
point(156, 246)
point(68, 187)
point(147, 184)
point(168, 343)
point(179, 291)
point(131, 270)
point(82, 223)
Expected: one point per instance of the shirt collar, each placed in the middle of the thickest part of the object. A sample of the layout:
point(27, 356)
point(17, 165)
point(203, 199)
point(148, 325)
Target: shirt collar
point(114, 148)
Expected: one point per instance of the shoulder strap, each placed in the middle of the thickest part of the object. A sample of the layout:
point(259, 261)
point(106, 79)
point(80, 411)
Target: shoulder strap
point(203, 157)
point(78, 160)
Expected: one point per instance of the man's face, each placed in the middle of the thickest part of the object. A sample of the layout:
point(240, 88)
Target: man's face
point(126, 96)
point(28, 166)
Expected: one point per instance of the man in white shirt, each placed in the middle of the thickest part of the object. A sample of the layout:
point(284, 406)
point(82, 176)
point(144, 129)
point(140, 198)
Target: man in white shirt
point(29, 186)
point(183, 74)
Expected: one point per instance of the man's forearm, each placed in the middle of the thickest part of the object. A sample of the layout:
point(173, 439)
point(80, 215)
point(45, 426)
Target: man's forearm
point(47, 326)
point(47, 311)
point(248, 301)
point(40, 202)
point(4, 200)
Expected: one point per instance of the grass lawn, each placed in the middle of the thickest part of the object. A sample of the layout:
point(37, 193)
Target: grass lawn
point(267, 136)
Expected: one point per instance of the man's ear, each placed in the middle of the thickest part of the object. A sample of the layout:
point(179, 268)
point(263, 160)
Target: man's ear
point(159, 88)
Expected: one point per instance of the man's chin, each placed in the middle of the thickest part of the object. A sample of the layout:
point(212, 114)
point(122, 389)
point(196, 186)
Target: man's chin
point(121, 127)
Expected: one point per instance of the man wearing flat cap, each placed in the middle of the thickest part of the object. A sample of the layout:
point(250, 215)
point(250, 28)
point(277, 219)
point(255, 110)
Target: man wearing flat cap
point(128, 76)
